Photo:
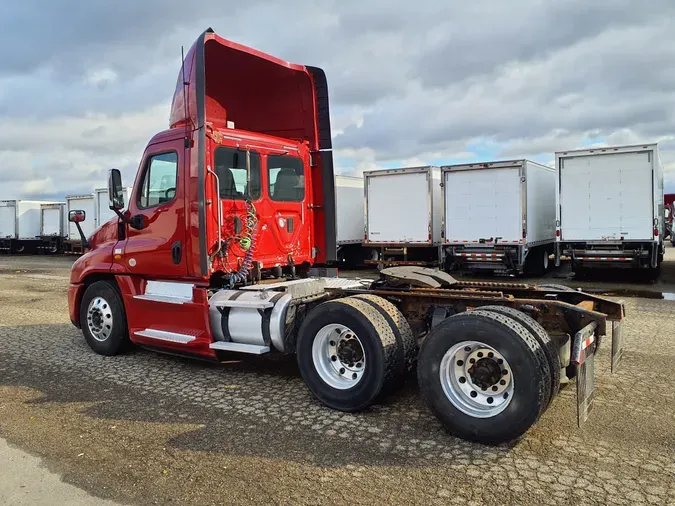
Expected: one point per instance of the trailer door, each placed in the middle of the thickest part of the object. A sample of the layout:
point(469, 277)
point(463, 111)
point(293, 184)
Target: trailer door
point(399, 208)
point(7, 220)
point(483, 204)
point(606, 197)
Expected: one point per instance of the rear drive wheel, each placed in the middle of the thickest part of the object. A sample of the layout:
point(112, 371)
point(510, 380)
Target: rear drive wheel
point(347, 354)
point(542, 337)
point(484, 376)
point(400, 327)
point(102, 318)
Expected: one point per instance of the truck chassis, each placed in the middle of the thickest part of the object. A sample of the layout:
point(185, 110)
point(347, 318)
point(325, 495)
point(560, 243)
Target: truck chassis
point(475, 345)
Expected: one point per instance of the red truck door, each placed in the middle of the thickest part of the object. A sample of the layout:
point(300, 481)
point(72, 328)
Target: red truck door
point(289, 197)
point(158, 249)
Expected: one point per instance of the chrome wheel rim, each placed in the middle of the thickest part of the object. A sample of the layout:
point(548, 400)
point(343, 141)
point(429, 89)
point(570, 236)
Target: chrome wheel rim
point(338, 356)
point(476, 379)
point(99, 319)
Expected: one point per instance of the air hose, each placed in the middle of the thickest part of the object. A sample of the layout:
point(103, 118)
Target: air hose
point(247, 242)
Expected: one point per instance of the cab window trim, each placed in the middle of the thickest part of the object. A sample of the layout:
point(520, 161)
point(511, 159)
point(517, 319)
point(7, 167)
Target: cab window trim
point(148, 162)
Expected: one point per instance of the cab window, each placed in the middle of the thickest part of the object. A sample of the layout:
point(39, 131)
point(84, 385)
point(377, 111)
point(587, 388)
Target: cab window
point(286, 178)
point(159, 181)
point(230, 166)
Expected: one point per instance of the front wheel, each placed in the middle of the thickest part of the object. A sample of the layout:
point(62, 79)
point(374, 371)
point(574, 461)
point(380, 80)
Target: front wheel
point(102, 318)
point(484, 376)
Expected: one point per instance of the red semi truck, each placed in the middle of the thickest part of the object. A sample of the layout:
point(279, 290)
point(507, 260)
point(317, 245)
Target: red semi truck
point(232, 211)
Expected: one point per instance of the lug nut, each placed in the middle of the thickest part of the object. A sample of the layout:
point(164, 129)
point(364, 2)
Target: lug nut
point(473, 394)
point(333, 358)
point(480, 354)
point(489, 400)
point(342, 370)
point(490, 355)
point(502, 382)
point(495, 388)
point(460, 363)
point(462, 379)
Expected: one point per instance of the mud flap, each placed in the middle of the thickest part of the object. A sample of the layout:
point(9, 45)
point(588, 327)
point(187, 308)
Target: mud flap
point(617, 345)
point(583, 356)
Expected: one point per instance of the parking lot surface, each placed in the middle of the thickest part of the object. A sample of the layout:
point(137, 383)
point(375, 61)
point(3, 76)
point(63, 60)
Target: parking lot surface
point(148, 428)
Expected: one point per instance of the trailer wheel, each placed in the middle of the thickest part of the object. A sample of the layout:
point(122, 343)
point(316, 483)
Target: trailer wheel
point(347, 354)
point(484, 376)
point(542, 337)
point(537, 262)
point(102, 318)
point(400, 327)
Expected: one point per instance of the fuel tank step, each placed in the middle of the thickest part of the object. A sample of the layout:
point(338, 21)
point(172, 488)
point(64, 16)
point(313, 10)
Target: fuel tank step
point(239, 347)
point(248, 304)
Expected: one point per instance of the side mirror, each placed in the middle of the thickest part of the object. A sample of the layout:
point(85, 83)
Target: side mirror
point(76, 216)
point(115, 190)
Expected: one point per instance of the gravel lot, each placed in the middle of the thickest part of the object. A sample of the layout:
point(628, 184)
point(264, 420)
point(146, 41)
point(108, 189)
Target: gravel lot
point(147, 428)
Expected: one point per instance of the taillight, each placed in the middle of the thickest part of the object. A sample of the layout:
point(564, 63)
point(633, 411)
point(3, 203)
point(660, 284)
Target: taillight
point(656, 232)
point(557, 233)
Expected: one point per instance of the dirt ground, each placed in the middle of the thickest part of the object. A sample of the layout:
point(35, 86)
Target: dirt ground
point(147, 428)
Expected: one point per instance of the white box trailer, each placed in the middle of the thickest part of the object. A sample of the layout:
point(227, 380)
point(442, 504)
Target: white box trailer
point(103, 211)
point(53, 220)
point(610, 210)
point(499, 216)
point(350, 208)
point(86, 203)
point(20, 224)
point(53, 227)
point(403, 213)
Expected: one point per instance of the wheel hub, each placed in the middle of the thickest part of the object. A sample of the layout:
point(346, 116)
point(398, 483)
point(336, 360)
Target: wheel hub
point(338, 356)
point(485, 373)
point(99, 319)
point(477, 379)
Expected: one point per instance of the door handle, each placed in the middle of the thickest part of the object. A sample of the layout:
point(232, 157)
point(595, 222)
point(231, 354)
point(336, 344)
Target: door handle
point(176, 252)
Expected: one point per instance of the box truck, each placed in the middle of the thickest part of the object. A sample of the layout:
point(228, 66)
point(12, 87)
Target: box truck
point(499, 216)
point(609, 207)
point(403, 214)
point(103, 212)
point(350, 209)
point(20, 225)
point(53, 227)
point(185, 269)
point(87, 203)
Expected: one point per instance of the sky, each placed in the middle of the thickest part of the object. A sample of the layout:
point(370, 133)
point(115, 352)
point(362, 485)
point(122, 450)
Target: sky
point(84, 85)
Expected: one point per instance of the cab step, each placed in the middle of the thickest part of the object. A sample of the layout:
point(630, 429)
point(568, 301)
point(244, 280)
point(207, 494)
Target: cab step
point(163, 335)
point(239, 347)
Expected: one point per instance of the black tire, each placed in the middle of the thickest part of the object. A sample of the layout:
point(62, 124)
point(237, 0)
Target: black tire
point(532, 379)
point(379, 345)
point(540, 334)
point(118, 338)
point(534, 262)
point(553, 286)
point(399, 326)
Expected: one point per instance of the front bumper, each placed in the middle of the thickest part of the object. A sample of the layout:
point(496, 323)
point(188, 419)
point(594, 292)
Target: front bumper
point(74, 296)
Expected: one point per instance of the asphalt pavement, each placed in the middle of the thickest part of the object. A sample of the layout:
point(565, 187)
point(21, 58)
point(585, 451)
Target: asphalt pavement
point(148, 428)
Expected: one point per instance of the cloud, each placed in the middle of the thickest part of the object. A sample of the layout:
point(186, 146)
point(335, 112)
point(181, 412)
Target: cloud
point(85, 85)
